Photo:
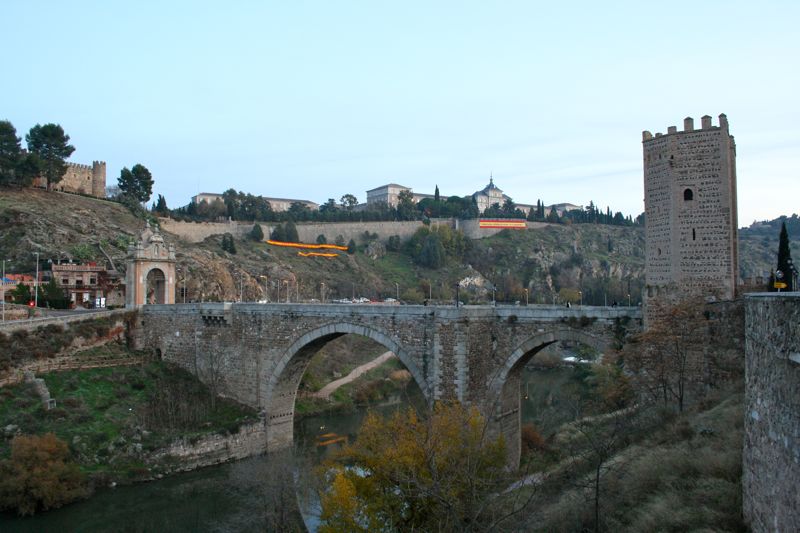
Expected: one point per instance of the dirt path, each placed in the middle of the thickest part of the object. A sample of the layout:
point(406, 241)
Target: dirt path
point(329, 389)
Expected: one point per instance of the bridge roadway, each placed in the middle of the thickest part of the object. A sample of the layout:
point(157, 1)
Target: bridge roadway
point(257, 353)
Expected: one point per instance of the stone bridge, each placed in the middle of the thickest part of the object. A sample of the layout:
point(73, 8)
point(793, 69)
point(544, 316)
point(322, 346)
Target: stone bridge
point(257, 353)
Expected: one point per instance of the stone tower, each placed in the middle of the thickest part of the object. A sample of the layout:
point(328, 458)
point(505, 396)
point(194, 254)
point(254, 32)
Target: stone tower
point(150, 275)
point(690, 214)
point(99, 179)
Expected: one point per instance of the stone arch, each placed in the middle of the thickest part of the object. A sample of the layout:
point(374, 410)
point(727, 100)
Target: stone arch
point(503, 388)
point(156, 286)
point(279, 389)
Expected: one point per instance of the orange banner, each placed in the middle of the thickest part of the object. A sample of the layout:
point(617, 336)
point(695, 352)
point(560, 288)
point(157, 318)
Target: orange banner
point(307, 246)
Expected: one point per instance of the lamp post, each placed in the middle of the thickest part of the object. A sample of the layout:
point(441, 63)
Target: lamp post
point(322, 292)
point(526, 296)
point(580, 293)
point(629, 299)
point(457, 298)
point(4, 290)
point(494, 295)
point(36, 284)
point(286, 282)
point(397, 291)
point(266, 289)
point(241, 287)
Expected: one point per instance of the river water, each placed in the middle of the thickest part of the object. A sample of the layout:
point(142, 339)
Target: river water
point(229, 497)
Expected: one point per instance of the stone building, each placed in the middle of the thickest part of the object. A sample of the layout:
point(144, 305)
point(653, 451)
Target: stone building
point(388, 194)
point(691, 214)
point(488, 196)
point(150, 276)
point(88, 285)
point(81, 179)
point(277, 204)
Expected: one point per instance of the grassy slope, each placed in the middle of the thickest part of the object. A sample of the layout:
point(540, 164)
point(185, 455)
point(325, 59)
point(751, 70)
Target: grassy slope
point(103, 414)
point(681, 474)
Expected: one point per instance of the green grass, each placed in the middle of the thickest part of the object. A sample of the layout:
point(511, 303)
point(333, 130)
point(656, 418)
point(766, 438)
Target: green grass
point(106, 415)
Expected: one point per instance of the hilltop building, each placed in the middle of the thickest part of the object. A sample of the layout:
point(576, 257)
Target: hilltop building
point(488, 196)
point(277, 204)
point(691, 212)
point(80, 179)
point(389, 194)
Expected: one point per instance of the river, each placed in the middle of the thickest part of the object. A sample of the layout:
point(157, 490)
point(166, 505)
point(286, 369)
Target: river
point(229, 497)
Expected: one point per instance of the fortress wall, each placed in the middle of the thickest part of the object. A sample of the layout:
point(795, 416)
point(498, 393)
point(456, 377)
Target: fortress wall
point(771, 456)
point(309, 231)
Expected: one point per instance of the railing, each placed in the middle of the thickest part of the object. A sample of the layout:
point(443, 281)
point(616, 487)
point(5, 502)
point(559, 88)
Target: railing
point(29, 323)
point(67, 363)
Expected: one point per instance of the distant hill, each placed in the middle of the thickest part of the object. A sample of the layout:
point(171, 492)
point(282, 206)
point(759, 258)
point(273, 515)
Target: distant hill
point(597, 263)
point(758, 245)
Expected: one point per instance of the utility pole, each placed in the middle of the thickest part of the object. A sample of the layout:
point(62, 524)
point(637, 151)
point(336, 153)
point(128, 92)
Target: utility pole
point(36, 284)
point(397, 290)
point(4, 290)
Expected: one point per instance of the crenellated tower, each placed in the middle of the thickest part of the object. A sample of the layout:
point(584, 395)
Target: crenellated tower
point(99, 179)
point(690, 214)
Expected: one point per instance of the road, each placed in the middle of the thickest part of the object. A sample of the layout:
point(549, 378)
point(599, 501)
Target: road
point(331, 387)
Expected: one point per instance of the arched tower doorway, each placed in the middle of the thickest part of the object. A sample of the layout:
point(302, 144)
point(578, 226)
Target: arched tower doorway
point(150, 275)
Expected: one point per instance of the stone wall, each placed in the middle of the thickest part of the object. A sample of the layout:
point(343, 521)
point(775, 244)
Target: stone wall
point(81, 179)
point(309, 231)
point(771, 458)
point(250, 440)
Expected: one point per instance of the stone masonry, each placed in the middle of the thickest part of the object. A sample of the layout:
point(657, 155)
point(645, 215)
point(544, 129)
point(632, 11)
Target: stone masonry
point(690, 208)
point(771, 457)
point(257, 353)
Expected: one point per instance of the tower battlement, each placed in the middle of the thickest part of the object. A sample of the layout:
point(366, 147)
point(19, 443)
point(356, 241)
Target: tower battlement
point(688, 127)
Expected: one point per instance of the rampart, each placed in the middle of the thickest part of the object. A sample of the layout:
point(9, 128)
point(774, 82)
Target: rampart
point(308, 232)
point(771, 457)
point(81, 179)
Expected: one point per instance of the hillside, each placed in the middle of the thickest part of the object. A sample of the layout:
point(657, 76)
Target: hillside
point(604, 263)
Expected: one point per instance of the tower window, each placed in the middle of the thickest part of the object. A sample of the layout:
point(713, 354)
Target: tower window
point(694, 236)
point(688, 195)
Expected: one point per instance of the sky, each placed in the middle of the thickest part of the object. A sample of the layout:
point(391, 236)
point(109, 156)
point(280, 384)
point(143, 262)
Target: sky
point(317, 99)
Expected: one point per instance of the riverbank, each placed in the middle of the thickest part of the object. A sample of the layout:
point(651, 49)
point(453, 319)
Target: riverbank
point(129, 423)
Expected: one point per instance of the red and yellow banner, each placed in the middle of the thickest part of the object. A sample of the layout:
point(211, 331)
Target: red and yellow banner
point(306, 246)
point(502, 224)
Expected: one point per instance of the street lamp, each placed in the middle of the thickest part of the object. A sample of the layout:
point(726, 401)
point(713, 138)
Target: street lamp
point(322, 292)
point(457, 298)
point(286, 282)
point(629, 299)
point(266, 289)
point(580, 293)
point(4, 290)
point(494, 295)
point(36, 284)
point(397, 291)
point(526, 296)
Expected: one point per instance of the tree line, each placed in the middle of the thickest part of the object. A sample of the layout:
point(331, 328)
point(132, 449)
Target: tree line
point(238, 205)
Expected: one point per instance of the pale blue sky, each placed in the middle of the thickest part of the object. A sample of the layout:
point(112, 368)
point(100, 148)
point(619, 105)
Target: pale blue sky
point(314, 100)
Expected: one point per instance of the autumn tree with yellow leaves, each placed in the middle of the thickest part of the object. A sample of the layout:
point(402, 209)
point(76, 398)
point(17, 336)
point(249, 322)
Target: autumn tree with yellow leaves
point(407, 472)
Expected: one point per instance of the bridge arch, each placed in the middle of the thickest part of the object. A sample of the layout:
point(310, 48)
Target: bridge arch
point(279, 388)
point(504, 386)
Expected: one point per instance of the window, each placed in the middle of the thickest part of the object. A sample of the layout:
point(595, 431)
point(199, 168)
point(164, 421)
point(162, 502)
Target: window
point(92, 281)
point(79, 283)
point(688, 195)
point(694, 235)
point(64, 281)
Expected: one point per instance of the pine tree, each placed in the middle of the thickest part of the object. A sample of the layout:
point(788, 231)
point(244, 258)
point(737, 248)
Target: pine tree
point(257, 234)
point(51, 146)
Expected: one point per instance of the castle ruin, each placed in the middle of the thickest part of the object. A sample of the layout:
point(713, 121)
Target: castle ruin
point(81, 179)
point(690, 212)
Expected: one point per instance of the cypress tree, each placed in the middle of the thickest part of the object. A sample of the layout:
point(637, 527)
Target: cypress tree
point(785, 264)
